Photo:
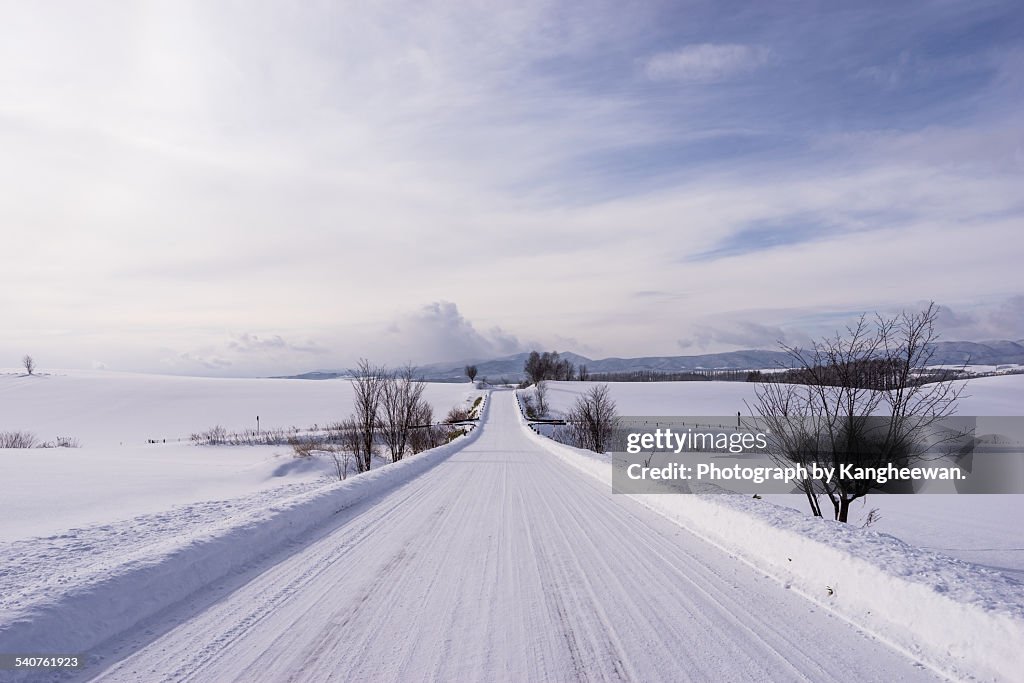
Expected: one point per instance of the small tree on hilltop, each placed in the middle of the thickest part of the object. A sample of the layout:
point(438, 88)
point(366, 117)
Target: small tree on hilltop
point(471, 372)
point(29, 363)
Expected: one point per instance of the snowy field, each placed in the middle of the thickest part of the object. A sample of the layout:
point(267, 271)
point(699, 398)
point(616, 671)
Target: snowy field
point(117, 474)
point(975, 528)
point(167, 561)
point(567, 582)
point(983, 396)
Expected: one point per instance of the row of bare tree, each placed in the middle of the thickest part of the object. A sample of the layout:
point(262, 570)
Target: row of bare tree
point(389, 407)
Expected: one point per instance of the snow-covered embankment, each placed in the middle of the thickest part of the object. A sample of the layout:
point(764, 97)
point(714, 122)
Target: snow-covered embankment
point(78, 616)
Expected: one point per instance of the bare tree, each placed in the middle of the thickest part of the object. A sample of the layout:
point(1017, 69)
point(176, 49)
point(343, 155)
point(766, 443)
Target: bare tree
point(471, 372)
point(346, 444)
point(29, 363)
point(341, 458)
point(857, 400)
point(401, 396)
point(346, 434)
point(541, 392)
point(592, 421)
point(367, 383)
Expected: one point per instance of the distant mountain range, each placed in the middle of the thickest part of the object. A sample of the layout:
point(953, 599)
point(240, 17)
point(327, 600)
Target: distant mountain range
point(511, 367)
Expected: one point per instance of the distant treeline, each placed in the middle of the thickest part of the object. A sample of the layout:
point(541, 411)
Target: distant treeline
point(661, 376)
point(882, 374)
point(550, 366)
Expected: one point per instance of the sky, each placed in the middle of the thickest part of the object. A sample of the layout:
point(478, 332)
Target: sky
point(253, 188)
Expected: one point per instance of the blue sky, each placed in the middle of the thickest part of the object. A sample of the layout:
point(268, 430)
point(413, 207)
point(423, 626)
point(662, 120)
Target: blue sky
point(239, 188)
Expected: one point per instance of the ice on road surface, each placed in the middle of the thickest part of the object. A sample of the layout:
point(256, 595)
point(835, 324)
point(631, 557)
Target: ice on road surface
point(503, 563)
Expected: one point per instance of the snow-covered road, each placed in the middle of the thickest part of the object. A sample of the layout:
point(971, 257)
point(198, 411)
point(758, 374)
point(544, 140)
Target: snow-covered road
point(503, 563)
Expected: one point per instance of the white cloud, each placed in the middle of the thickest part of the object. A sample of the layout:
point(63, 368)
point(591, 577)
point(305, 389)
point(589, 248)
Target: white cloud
point(706, 62)
point(247, 342)
point(992, 320)
point(438, 331)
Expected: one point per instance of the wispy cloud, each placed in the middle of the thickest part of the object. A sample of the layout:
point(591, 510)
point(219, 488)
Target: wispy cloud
point(252, 343)
point(991, 320)
point(743, 334)
point(706, 62)
point(766, 235)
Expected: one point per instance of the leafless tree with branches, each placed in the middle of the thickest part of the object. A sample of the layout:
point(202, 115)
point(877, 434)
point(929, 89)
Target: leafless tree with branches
point(29, 364)
point(541, 392)
point(342, 459)
point(592, 421)
point(368, 385)
point(859, 402)
point(401, 396)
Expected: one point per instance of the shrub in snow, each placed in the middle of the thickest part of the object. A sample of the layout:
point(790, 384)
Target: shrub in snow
point(214, 436)
point(61, 442)
point(457, 414)
point(425, 434)
point(17, 439)
point(591, 422)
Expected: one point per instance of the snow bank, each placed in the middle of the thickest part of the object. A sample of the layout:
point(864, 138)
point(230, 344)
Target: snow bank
point(959, 619)
point(46, 492)
point(77, 616)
